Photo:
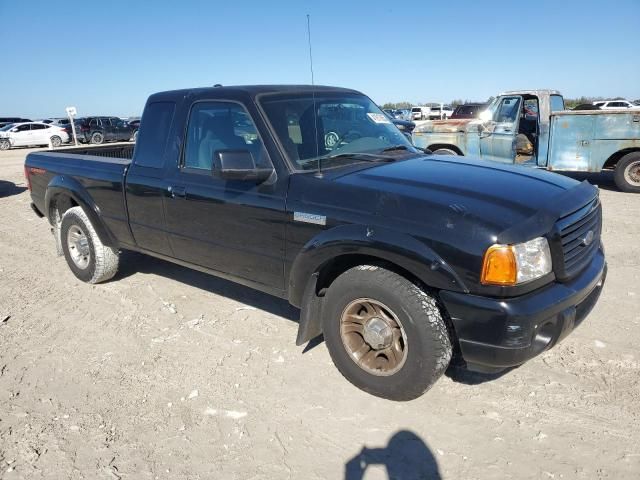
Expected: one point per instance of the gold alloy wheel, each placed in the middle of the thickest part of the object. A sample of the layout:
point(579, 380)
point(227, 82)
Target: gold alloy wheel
point(373, 337)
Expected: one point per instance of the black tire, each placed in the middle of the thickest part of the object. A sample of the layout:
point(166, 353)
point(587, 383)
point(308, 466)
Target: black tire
point(445, 151)
point(96, 138)
point(56, 141)
point(101, 261)
point(627, 173)
point(428, 346)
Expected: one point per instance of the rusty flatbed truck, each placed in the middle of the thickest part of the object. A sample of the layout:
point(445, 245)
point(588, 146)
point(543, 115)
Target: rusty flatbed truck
point(531, 127)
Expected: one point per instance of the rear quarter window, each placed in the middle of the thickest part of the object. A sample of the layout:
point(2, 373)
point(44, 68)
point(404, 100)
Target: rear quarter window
point(152, 139)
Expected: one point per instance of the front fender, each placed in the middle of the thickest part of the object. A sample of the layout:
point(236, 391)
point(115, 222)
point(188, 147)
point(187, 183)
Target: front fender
point(65, 185)
point(397, 248)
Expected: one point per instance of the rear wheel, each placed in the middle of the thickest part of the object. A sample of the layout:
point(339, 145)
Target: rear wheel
point(385, 334)
point(97, 138)
point(56, 141)
point(88, 258)
point(627, 173)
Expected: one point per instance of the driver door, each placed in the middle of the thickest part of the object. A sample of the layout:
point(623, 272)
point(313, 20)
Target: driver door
point(497, 141)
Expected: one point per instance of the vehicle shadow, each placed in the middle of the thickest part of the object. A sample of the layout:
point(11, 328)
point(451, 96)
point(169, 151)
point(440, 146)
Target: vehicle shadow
point(8, 189)
point(406, 457)
point(460, 374)
point(132, 262)
point(604, 180)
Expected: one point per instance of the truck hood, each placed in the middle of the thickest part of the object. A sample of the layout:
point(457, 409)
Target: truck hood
point(447, 126)
point(463, 193)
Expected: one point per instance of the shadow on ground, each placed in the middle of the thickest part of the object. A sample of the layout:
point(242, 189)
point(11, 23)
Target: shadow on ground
point(8, 189)
point(406, 457)
point(132, 262)
point(603, 180)
point(460, 374)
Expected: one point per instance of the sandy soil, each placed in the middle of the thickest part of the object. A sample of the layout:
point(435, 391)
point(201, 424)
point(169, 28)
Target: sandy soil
point(169, 373)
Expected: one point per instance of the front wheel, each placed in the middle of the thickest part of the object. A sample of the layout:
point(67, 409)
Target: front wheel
point(5, 145)
point(88, 258)
point(445, 151)
point(627, 173)
point(385, 334)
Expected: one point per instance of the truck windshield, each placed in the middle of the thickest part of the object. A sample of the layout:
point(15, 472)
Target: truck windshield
point(336, 129)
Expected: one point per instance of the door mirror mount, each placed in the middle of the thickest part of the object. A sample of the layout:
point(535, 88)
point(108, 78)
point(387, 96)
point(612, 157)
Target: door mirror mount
point(238, 165)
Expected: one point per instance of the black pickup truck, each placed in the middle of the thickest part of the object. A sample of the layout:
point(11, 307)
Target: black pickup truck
point(404, 260)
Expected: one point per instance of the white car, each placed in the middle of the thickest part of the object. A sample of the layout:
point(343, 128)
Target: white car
point(615, 105)
point(31, 134)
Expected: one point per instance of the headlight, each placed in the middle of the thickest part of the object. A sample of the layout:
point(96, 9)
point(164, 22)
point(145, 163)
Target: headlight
point(400, 127)
point(515, 264)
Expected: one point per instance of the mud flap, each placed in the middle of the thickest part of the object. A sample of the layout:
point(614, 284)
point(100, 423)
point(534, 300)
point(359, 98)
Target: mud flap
point(310, 313)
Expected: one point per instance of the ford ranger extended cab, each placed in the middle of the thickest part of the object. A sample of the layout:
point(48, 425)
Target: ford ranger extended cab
point(404, 261)
point(531, 127)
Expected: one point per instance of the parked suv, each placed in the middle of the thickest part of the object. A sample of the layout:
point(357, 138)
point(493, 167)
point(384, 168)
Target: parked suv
point(420, 113)
point(435, 113)
point(97, 130)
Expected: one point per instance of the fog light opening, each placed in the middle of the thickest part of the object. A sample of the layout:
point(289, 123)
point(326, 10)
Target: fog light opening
point(544, 336)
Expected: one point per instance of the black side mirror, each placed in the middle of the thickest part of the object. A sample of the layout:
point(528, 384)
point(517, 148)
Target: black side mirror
point(238, 165)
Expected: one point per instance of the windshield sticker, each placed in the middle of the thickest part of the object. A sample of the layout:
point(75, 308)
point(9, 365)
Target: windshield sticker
point(378, 117)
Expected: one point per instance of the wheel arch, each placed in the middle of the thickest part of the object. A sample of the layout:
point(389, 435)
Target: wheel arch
point(324, 258)
point(64, 193)
point(448, 146)
point(613, 160)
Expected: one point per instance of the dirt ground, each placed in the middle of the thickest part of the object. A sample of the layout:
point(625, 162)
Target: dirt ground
point(170, 373)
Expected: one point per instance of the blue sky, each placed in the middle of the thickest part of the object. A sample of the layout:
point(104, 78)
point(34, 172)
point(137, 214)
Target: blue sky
point(106, 57)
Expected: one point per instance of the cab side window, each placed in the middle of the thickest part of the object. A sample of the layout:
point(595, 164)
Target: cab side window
point(215, 126)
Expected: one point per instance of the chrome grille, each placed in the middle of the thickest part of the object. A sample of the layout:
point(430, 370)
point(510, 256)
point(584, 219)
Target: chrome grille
point(577, 244)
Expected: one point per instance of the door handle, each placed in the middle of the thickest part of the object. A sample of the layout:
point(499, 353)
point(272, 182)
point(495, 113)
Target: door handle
point(176, 191)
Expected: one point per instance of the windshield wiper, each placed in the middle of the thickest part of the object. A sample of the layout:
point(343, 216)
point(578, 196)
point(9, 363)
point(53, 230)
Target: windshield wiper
point(395, 147)
point(367, 157)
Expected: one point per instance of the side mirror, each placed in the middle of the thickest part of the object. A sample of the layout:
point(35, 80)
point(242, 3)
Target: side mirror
point(13, 130)
point(238, 165)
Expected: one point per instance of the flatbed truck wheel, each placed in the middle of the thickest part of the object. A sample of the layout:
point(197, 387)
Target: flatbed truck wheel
point(627, 173)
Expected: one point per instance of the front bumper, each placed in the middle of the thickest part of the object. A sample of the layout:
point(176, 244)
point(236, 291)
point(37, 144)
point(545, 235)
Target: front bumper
point(497, 333)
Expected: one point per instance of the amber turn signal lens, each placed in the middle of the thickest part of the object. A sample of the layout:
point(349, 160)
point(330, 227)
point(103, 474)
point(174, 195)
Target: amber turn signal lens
point(499, 266)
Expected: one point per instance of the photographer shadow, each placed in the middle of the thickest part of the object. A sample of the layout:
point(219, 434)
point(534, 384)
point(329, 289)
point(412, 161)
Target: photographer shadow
point(406, 457)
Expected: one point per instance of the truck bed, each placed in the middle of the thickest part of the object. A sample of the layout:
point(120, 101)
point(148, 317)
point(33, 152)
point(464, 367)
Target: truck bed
point(582, 140)
point(98, 171)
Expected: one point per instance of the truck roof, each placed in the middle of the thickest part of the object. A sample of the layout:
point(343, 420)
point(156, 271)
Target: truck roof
point(537, 92)
point(251, 90)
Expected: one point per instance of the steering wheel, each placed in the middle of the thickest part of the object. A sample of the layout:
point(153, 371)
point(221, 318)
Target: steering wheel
point(336, 139)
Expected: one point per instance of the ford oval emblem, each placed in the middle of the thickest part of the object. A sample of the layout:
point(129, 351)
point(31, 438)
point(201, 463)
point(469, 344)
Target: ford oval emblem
point(588, 238)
